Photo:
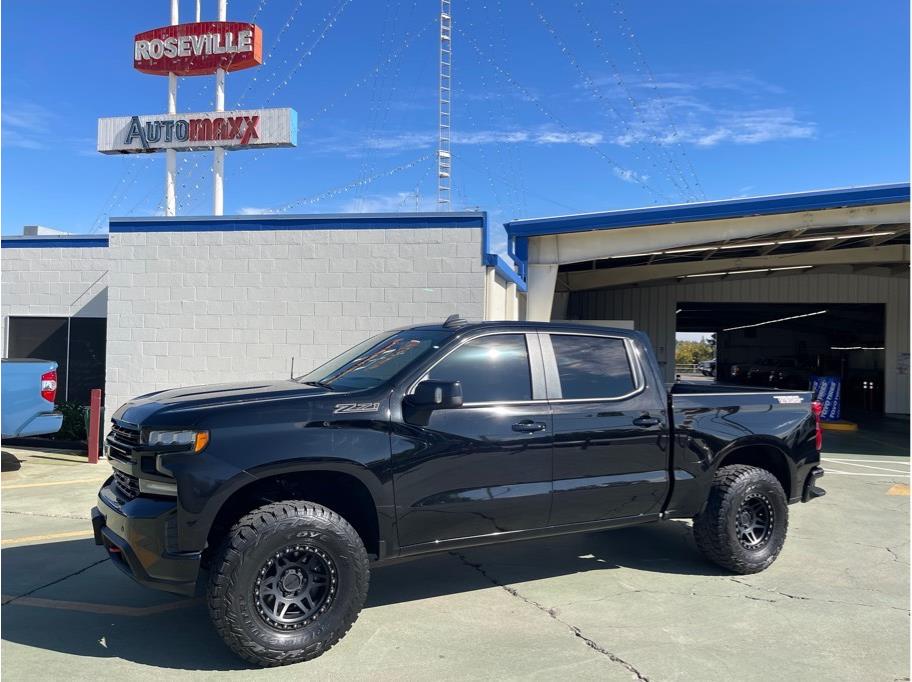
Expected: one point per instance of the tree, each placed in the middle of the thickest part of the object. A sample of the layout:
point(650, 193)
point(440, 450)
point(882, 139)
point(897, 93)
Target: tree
point(692, 352)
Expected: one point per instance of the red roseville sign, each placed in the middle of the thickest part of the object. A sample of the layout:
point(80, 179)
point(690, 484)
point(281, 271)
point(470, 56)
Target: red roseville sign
point(198, 49)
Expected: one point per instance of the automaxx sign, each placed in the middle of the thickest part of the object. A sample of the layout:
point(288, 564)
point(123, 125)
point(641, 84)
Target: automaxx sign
point(229, 129)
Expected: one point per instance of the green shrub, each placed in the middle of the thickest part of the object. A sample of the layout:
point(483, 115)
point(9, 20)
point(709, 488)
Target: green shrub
point(74, 421)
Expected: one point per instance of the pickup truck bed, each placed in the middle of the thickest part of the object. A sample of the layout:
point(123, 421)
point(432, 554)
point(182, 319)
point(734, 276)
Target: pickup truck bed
point(711, 420)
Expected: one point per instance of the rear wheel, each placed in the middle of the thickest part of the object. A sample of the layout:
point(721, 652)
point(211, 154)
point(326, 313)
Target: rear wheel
point(744, 524)
point(288, 583)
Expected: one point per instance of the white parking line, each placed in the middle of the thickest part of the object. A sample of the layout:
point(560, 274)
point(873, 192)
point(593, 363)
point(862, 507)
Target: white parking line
point(845, 462)
point(856, 473)
point(896, 462)
point(852, 457)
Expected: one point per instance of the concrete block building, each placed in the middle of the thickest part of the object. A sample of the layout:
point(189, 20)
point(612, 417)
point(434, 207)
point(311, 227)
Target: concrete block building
point(815, 281)
point(188, 301)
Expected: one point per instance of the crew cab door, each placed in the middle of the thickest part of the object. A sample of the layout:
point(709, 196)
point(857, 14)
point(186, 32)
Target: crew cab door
point(484, 467)
point(610, 429)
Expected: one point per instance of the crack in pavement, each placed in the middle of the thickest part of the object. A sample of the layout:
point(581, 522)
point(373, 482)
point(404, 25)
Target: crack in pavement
point(552, 613)
point(49, 516)
point(54, 582)
point(799, 597)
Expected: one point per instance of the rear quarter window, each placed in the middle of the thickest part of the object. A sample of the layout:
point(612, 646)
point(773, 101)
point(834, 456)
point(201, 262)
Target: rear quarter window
point(592, 367)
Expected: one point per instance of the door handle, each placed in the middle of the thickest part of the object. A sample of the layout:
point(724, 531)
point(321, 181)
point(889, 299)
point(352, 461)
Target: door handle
point(528, 426)
point(646, 420)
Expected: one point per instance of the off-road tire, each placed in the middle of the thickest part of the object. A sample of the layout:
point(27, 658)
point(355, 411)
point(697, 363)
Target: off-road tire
point(251, 542)
point(716, 528)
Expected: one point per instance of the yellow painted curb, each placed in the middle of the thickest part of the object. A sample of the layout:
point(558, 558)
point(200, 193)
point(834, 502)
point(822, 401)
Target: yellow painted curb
point(839, 426)
point(17, 486)
point(50, 536)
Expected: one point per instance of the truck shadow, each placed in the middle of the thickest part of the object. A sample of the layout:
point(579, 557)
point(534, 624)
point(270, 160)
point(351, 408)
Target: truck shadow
point(95, 611)
point(9, 461)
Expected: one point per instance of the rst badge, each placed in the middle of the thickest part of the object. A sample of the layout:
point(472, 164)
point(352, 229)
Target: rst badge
point(349, 408)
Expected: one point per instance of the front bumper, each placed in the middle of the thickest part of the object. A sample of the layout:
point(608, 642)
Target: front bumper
point(811, 491)
point(140, 538)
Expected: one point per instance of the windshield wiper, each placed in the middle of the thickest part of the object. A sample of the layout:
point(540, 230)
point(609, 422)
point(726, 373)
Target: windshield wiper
point(321, 384)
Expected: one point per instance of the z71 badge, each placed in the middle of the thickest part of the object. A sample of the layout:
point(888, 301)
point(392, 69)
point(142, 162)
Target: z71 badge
point(348, 408)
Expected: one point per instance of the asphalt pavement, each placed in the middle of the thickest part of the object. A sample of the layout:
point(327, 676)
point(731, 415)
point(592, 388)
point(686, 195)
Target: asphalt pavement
point(638, 603)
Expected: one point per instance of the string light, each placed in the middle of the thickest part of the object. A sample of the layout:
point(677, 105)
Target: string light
point(353, 185)
point(663, 142)
point(636, 50)
point(680, 183)
point(553, 118)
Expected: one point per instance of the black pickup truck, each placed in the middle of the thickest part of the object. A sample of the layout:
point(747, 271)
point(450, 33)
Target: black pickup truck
point(428, 439)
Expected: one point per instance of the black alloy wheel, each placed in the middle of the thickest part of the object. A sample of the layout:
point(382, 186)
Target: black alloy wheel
point(754, 521)
point(294, 587)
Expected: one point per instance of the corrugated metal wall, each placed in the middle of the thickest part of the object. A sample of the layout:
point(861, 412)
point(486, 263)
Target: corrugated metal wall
point(652, 308)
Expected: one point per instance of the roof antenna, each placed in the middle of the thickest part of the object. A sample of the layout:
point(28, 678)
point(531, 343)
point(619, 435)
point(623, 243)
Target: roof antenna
point(454, 321)
point(292, 367)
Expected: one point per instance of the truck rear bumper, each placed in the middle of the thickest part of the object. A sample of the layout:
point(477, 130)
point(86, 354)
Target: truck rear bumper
point(41, 424)
point(135, 538)
point(810, 489)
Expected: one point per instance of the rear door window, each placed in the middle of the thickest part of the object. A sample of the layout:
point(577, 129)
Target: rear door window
point(491, 369)
point(592, 367)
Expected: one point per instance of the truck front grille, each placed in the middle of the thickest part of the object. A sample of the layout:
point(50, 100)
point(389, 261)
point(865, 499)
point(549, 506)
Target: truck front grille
point(125, 435)
point(126, 484)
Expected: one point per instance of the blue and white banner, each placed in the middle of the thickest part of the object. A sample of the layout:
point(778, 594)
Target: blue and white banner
point(828, 390)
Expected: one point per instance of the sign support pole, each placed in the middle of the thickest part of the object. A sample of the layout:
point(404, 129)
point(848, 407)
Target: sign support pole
point(218, 158)
point(170, 154)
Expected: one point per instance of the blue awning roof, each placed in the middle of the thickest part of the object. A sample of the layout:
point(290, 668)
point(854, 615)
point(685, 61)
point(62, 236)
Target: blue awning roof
point(850, 197)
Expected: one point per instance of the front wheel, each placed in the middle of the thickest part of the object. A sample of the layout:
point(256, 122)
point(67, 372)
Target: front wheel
point(288, 583)
point(744, 524)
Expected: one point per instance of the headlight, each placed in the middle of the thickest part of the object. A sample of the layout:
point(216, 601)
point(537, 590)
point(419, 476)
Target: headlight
point(197, 440)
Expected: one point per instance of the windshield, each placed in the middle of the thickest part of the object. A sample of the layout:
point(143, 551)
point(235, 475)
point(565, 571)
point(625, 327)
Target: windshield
point(376, 360)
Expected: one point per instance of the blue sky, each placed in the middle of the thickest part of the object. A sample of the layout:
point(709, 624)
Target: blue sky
point(582, 105)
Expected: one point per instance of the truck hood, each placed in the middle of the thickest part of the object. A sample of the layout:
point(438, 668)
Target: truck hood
point(183, 400)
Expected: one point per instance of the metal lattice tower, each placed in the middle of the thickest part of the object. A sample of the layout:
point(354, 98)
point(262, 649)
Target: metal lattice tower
point(444, 159)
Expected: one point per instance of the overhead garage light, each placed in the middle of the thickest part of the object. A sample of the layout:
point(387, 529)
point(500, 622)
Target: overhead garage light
point(746, 272)
point(747, 246)
point(862, 235)
point(752, 245)
point(802, 240)
point(856, 348)
point(693, 249)
point(781, 319)
point(791, 267)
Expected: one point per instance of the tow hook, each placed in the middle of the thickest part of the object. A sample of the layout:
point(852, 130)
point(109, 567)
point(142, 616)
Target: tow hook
point(810, 490)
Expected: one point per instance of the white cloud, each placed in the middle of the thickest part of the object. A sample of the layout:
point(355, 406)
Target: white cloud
point(255, 210)
point(26, 125)
point(406, 141)
point(29, 125)
point(628, 175)
point(397, 202)
point(700, 124)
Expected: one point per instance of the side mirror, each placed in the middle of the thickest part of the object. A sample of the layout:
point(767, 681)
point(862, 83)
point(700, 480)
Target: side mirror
point(436, 395)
